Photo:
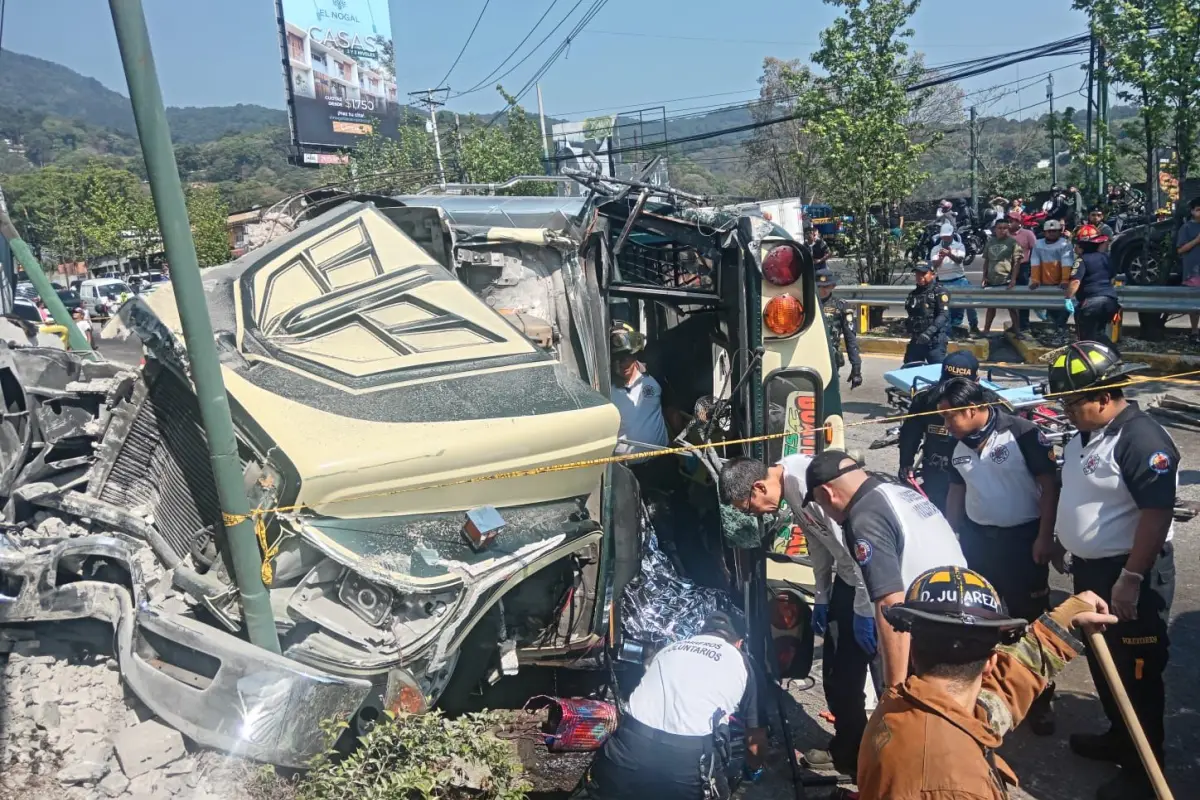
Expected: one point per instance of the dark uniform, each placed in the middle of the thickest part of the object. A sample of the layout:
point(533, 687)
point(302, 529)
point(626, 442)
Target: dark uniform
point(1110, 478)
point(939, 445)
point(928, 310)
point(839, 324)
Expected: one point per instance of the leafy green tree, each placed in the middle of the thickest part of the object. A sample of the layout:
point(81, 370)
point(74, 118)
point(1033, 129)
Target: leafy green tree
point(1153, 47)
point(857, 115)
point(209, 217)
point(384, 165)
point(495, 153)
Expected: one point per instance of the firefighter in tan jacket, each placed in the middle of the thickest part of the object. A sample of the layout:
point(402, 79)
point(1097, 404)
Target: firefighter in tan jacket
point(975, 672)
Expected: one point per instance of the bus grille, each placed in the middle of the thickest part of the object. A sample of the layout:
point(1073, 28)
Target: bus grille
point(163, 463)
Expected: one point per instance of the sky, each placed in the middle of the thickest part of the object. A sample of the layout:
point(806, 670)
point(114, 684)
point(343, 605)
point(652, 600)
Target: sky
point(684, 54)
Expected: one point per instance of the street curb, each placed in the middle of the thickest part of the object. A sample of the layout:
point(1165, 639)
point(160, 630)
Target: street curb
point(1160, 362)
point(883, 345)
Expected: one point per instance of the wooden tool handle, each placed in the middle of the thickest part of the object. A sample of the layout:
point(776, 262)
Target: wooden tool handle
point(1100, 648)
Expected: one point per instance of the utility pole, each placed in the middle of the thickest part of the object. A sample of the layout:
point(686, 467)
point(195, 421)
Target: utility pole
point(974, 163)
point(1091, 76)
point(1053, 144)
point(426, 98)
point(462, 170)
point(150, 116)
point(545, 141)
point(1101, 114)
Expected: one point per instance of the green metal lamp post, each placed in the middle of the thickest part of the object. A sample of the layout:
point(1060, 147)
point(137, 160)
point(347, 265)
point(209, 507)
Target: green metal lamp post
point(151, 117)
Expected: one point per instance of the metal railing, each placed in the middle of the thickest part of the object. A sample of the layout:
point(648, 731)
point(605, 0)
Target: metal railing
point(1168, 299)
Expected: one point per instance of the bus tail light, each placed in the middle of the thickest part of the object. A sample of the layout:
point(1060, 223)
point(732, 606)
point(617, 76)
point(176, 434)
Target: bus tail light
point(785, 612)
point(784, 315)
point(782, 266)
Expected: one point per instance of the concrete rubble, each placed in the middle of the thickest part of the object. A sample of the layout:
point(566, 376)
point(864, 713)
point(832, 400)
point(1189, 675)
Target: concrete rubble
point(69, 729)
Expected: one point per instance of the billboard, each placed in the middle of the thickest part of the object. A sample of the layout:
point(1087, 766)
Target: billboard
point(339, 62)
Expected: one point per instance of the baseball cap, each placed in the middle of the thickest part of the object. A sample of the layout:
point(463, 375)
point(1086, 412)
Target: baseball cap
point(960, 364)
point(947, 230)
point(825, 467)
point(921, 266)
point(1052, 225)
point(825, 277)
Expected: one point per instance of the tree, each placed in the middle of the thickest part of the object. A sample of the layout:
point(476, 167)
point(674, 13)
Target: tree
point(493, 153)
point(1153, 47)
point(386, 165)
point(209, 217)
point(857, 115)
point(781, 162)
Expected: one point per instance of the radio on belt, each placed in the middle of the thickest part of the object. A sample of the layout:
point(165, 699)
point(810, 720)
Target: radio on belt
point(483, 525)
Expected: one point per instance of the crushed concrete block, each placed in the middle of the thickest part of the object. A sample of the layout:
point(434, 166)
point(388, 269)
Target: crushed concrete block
point(91, 720)
point(87, 767)
point(47, 716)
point(183, 766)
point(145, 785)
point(114, 784)
point(148, 746)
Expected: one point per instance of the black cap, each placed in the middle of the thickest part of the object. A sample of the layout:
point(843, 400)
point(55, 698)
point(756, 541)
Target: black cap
point(826, 467)
point(922, 266)
point(960, 364)
point(825, 277)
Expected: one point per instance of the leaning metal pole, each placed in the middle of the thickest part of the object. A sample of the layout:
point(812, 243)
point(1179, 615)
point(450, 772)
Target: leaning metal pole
point(134, 40)
point(45, 290)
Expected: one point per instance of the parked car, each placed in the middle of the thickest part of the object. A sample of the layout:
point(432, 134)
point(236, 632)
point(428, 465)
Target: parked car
point(1147, 263)
point(102, 297)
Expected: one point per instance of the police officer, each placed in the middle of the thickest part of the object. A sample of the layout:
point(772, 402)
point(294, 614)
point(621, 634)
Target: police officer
point(893, 533)
point(928, 307)
point(1115, 518)
point(1003, 496)
point(673, 742)
point(930, 429)
point(839, 322)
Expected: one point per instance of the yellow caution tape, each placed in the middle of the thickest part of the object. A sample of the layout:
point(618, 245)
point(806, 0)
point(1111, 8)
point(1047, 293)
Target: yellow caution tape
point(259, 515)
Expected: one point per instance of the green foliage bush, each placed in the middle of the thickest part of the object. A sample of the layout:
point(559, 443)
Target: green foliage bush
point(413, 756)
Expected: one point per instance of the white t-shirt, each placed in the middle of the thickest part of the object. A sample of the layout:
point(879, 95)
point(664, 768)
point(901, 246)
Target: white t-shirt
point(948, 270)
point(827, 545)
point(687, 683)
point(640, 406)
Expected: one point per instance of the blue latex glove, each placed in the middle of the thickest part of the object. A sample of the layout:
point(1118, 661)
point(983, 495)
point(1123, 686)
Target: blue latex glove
point(1069, 305)
point(820, 618)
point(752, 775)
point(864, 634)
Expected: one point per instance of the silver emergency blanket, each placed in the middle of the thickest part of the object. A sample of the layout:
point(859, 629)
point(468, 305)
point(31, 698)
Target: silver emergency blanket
point(660, 606)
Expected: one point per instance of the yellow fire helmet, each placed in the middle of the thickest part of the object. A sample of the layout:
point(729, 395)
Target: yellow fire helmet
point(1088, 365)
point(956, 598)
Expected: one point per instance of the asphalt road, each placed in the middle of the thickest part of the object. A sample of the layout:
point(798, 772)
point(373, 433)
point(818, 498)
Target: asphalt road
point(1047, 768)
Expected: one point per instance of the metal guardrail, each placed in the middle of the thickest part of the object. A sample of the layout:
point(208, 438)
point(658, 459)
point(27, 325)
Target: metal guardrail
point(1169, 299)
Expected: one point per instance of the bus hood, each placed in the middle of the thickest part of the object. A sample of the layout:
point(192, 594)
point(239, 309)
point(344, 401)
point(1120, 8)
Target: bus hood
point(378, 385)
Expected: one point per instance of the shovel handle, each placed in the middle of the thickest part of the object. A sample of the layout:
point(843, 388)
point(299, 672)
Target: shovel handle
point(1100, 648)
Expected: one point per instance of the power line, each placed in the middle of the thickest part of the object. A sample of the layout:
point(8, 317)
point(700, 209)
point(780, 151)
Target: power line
point(514, 51)
point(596, 7)
point(536, 47)
point(470, 36)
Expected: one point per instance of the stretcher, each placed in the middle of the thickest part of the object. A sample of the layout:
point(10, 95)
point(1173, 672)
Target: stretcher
point(1020, 394)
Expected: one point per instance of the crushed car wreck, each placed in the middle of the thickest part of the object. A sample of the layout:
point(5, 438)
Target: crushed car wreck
point(390, 369)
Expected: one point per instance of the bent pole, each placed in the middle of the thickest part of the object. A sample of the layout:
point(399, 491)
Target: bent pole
point(151, 117)
point(54, 304)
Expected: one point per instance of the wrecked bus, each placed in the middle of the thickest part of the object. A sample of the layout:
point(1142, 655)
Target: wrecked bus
point(392, 364)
